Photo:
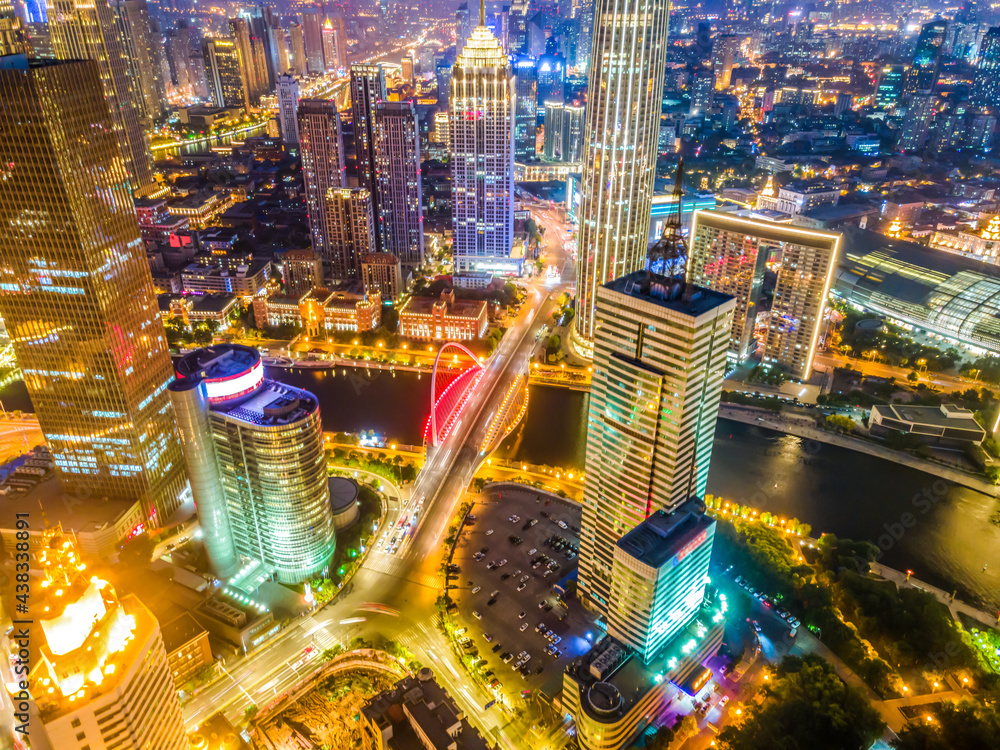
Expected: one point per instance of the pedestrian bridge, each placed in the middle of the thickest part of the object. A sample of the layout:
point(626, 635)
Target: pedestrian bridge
point(451, 393)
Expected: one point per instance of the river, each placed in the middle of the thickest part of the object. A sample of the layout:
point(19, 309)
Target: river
point(948, 541)
point(203, 145)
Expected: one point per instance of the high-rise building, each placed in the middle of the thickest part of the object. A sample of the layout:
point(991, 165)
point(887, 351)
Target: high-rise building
point(140, 54)
point(702, 92)
point(333, 46)
point(923, 73)
point(442, 75)
point(407, 68)
point(100, 675)
point(725, 259)
point(86, 30)
point(301, 272)
point(464, 24)
point(322, 146)
point(253, 62)
point(916, 121)
point(76, 293)
point(728, 254)
point(551, 77)
point(367, 89)
point(288, 108)
point(258, 468)
point(481, 112)
point(890, 86)
point(350, 230)
point(724, 50)
point(623, 125)
point(659, 362)
point(397, 175)
point(226, 82)
point(312, 25)
point(525, 109)
point(564, 124)
point(658, 578)
point(987, 80)
point(382, 275)
point(584, 44)
point(299, 61)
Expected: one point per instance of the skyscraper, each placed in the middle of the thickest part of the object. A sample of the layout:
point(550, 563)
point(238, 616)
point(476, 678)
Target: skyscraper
point(564, 124)
point(134, 25)
point(481, 113)
point(367, 89)
point(250, 52)
point(298, 51)
point(890, 86)
point(255, 447)
point(76, 293)
point(350, 230)
point(288, 108)
point(659, 362)
point(987, 80)
point(724, 49)
point(702, 92)
point(322, 144)
point(551, 76)
point(916, 121)
point(584, 45)
point(226, 81)
point(728, 254)
point(86, 30)
point(312, 26)
point(101, 673)
point(333, 47)
point(923, 73)
point(13, 39)
point(525, 109)
point(623, 124)
point(397, 173)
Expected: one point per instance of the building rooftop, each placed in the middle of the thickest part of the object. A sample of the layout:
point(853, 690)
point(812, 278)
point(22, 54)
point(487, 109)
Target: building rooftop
point(271, 404)
point(180, 631)
point(343, 492)
point(946, 415)
point(220, 361)
point(61, 508)
point(668, 292)
point(663, 536)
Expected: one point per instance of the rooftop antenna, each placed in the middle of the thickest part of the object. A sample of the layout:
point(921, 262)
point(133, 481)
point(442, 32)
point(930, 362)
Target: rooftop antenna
point(671, 247)
point(482, 12)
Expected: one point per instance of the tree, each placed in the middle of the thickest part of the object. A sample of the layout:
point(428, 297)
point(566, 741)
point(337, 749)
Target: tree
point(965, 726)
point(913, 377)
point(661, 740)
point(390, 319)
point(807, 706)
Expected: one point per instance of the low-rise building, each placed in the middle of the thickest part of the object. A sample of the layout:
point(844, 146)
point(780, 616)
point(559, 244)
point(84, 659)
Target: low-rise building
point(235, 622)
point(243, 281)
point(983, 245)
point(444, 319)
point(417, 714)
point(155, 222)
point(799, 196)
point(945, 425)
point(200, 209)
point(188, 650)
point(472, 279)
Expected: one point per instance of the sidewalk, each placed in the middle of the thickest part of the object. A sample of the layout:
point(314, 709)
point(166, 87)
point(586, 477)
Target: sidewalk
point(802, 428)
point(954, 605)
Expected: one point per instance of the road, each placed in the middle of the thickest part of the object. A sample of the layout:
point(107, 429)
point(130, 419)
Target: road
point(939, 380)
point(404, 585)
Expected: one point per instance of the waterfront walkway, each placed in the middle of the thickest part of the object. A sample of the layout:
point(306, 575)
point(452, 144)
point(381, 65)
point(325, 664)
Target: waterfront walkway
point(805, 428)
point(955, 606)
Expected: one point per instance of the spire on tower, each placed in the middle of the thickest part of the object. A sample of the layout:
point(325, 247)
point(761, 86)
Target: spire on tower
point(482, 12)
point(671, 250)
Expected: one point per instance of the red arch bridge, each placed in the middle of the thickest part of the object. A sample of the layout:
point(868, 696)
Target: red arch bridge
point(451, 392)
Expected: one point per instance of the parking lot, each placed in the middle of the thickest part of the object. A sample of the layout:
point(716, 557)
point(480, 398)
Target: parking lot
point(505, 586)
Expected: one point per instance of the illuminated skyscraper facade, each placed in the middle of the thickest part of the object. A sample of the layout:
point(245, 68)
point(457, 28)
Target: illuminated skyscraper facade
point(987, 81)
point(86, 30)
point(268, 498)
point(525, 109)
point(397, 173)
point(141, 56)
point(367, 89)
point(626, 71)
point(76, 293)
point(350, 230)
point(288, 108)
point(99, 677)
point(728, 254)
point(481, 115)
point(923, 73)
point(322, 145)
point(226, 82)
point(659, 362)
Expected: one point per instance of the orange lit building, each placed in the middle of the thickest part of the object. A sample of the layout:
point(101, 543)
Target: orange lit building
point(442, 319)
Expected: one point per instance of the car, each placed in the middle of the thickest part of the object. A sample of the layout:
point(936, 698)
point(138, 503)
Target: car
point(506, 657)
point(739, 579)
point(537, 564)
point(522, 615)
point(489, 531)
point(502, 563)
point(487, 637)
point(526, 659)
point(783, 614)
point(494, 593)
point(477, 615)
point(561, 524)
point(505, 576)
point(524, 578)
point(515, 666)
point(756, 626)
point(484, 550)
point(524, 627)
point(541, 604)
point(478, 556)
point(490, 603)
point(547, 607)
point(540, 669)
point(491, 565)
point(543, 513)
point(540, 627)
point(477, 589)
point(724, 701)
point(557, 640)
point(522, 586)
point(533, 550)
point(794, 622)
point(497, 647)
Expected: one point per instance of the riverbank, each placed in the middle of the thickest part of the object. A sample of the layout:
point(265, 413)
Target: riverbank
point(801, 428)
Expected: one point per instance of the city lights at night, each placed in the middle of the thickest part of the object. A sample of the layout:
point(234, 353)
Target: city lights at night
point(525, 375)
